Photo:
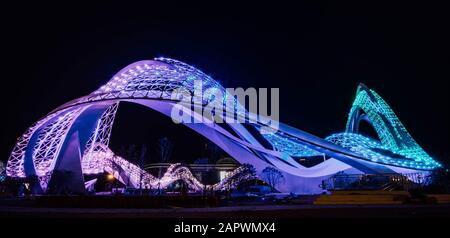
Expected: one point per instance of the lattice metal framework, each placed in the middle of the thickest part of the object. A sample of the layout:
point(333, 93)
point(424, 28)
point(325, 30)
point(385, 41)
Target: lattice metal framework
point(50, 140)
point(156, 80)
point(375, 151)
point(15, 165)
point(289, 145)
point(100, 136)
point(370, 106)
point(139, 178)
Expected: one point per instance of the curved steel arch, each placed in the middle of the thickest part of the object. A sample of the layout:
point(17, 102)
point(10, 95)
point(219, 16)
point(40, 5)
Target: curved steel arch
point(43, 147)
point(393, 135)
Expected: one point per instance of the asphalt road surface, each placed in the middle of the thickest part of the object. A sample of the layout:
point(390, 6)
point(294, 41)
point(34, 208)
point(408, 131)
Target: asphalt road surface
point(282, 211)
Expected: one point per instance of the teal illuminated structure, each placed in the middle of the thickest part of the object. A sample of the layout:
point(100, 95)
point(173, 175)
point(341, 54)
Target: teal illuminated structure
point(393, 136)
point(395, 145)
point(75, 136)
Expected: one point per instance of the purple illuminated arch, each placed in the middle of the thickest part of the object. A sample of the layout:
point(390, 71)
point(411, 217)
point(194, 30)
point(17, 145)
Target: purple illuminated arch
point(75, 136)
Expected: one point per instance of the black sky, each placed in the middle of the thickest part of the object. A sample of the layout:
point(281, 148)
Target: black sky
point(315, 53)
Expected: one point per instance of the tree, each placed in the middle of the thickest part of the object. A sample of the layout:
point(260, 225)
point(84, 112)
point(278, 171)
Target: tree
point(135, 155)
point(165, 150)
point(2, 168)
point(244, 173)
point(2, 172)
point(437, 181)
point(130, 153)
point(142, 165)
point(272, 177)
point(213, 152)
point(248, 169)
point(59, 182)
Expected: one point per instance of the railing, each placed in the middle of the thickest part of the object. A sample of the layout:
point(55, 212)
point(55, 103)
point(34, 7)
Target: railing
point(386, 182)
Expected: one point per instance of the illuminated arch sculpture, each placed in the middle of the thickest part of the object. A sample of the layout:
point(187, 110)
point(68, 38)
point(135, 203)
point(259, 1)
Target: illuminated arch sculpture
point(75, 136)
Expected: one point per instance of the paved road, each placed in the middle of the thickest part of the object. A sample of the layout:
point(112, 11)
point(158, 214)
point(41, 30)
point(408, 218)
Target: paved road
point(285, 211)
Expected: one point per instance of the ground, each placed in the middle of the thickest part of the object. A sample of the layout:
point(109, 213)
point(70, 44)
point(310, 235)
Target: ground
point(272, 211)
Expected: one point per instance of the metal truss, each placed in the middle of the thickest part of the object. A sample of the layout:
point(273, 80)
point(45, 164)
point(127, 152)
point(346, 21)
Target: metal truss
point(290, 145)
point(233, 179)
point(49, 141)
point(100, 136)
point(368, 105)
point(375, 151)
point(15, 165)
point(156, 80)
point(132, 176)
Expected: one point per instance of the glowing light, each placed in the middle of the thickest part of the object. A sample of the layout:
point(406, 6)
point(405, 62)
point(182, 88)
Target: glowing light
point(105, 160)
point(155, 80)
point(393, 135)
point(110, 177)
point(290, 146)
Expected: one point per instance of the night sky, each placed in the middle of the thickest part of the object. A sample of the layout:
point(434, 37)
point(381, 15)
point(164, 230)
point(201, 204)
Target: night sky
point(315, 54)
